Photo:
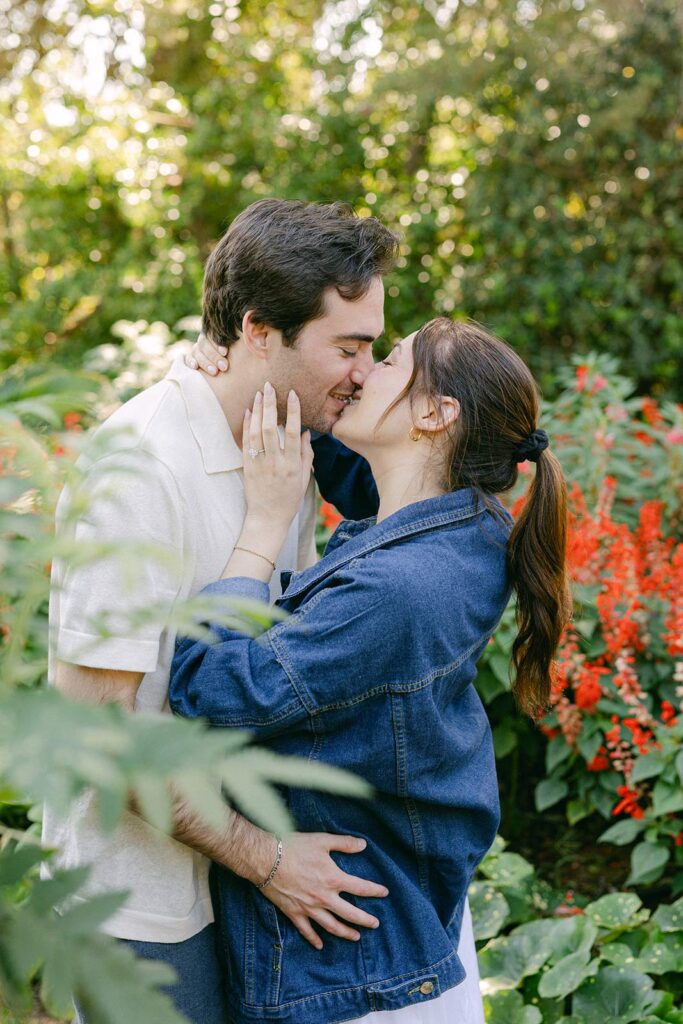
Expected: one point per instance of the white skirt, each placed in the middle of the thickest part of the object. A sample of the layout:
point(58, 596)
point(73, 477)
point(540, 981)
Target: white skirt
point(460, 1005)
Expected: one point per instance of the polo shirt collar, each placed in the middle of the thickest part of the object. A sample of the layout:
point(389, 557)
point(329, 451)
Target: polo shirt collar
point(208, 424)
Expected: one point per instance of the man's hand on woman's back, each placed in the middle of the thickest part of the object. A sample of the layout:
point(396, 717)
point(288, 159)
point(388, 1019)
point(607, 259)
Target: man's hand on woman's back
point(307, 885)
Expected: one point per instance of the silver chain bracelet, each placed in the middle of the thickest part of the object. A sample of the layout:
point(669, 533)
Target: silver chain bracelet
point(276, 865)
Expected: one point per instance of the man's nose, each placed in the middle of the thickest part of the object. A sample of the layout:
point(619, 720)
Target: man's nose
point(362, 367)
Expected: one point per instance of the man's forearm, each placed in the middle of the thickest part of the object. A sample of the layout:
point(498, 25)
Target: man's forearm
point(246, 850)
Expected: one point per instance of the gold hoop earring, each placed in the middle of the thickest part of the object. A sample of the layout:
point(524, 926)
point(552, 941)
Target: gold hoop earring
point(411, 434)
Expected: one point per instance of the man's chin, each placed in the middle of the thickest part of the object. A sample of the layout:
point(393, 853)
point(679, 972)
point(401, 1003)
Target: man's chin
point(323, 424)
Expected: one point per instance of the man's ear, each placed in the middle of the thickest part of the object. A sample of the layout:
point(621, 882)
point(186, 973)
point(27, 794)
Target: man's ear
point(438, 415)
point(258, 337)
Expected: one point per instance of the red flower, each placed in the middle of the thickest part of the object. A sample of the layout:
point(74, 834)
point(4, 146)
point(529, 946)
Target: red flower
point(674, 618)
point(668, 713)
point(329, 516)
point(517, 505)
point(678, 839)
point(599, 382)
point(587, 694)
point(628, 803)
point(650, 411)
point(581, 377)
point(564, 911)
point(72, 420)
point(675, 436)
point(600, 763)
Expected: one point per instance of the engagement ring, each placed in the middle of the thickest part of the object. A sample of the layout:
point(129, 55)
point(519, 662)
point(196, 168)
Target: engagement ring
point(253, 452)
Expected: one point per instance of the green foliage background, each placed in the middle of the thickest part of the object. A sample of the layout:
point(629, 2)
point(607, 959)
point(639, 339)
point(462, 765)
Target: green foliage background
point(528, 152)
point(526, 149)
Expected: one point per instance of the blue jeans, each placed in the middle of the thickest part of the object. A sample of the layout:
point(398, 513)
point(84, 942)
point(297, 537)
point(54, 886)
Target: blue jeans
point(198, 993)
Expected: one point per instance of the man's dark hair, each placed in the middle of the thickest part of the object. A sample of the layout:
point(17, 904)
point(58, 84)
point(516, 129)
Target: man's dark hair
point(278, 258)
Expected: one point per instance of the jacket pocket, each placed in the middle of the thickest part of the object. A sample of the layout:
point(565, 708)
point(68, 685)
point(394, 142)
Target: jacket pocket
point(263, 951)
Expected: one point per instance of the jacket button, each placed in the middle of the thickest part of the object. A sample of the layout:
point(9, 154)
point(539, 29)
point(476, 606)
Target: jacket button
point(426, 988)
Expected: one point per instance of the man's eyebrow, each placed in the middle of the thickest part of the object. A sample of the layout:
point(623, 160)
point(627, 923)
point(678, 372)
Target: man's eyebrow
point(354, 337)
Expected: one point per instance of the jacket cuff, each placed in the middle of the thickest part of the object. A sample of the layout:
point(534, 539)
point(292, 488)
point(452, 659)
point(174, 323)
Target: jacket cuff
point(240, 586)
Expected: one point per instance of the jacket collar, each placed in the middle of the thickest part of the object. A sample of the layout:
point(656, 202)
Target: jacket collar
point(208, 424)
point(353, 539)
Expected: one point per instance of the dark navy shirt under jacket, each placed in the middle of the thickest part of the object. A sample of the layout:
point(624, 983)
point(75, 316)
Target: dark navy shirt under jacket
point(373, 671)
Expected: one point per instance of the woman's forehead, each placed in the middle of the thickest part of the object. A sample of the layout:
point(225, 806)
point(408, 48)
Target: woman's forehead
point(404, 345)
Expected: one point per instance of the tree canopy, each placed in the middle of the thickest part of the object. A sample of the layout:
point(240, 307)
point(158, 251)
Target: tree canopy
point(525, 149)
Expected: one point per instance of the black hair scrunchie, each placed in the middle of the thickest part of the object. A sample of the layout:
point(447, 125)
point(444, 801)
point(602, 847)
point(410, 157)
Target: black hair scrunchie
point(532, 446)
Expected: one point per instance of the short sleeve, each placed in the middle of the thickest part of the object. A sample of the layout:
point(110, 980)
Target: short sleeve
point(122, 564)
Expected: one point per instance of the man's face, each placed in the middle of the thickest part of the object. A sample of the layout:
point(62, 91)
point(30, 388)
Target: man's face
point(331, 357)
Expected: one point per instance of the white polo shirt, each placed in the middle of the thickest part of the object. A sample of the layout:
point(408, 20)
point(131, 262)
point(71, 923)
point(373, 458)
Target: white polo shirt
point(169, 475)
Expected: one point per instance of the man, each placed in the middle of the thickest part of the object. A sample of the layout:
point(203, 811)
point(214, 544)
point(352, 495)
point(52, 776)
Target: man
point(294, 291)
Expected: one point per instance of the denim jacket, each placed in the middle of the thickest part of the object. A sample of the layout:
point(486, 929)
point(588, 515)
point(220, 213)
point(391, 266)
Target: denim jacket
point(372, 672)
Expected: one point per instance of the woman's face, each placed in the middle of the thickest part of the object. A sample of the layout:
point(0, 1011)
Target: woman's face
point(357, 427)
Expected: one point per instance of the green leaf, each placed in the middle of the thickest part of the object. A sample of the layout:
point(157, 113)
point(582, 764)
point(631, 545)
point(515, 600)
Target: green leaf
point(679, 764)
point(506, 868)
point(648, 765)
point(647, 862)
point(504, 740)
point(619, 954)
point(666, 799)
point(577, 810)
point(614, 910)
point(500, 666)
point(622, 832)
point(549, 792)
point(15, 862)
point(669, 917)
point(567, 975)
point(154, 800)
point(86, 915)
point(51, 892)
point(489, 686)
point(557, 751)
point(571, 934)
point(505, 961)
point(508, 1007)
point(489, 910)
point(615, 993)
point(589, 745)
point(662, 954)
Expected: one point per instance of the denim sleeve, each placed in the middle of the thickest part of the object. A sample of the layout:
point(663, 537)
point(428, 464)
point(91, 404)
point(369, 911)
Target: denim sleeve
point(236, 681)
point(344, 643)
point(347, 641)
point(344, 478)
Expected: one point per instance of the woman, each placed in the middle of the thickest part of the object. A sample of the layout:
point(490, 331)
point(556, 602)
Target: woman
point(373, 671)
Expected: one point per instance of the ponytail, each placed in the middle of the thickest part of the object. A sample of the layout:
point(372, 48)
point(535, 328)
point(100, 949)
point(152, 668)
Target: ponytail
point(496, 428)
point(537, 566)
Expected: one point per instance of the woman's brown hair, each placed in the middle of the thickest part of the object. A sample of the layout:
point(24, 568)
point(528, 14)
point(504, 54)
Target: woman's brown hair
point(499, 409)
